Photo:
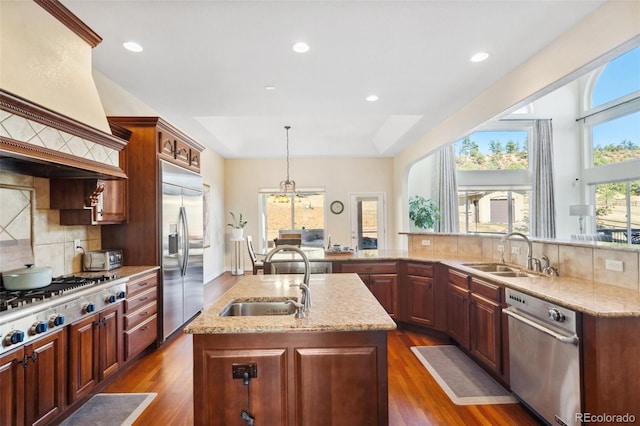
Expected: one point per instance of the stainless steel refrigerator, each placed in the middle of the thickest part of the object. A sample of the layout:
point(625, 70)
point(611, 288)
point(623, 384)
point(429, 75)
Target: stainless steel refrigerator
point(182, 231)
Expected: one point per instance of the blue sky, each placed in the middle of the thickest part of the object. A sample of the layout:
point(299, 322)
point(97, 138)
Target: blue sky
point(620, 77)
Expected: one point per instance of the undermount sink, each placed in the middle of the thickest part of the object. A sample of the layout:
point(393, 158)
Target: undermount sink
point(244, 309)
point(500, 269)
point(491, 267)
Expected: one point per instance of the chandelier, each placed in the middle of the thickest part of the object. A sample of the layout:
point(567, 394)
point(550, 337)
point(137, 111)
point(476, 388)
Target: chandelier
point(288, 186)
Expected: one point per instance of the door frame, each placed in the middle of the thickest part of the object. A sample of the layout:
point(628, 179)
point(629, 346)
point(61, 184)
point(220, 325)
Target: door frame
point(354, 198)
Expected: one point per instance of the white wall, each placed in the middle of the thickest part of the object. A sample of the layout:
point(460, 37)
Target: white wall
point(243, 179)
point(45, 62)
point(603, 35)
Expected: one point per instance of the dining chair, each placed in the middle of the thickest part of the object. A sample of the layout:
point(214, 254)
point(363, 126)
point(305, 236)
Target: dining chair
point(257, 264)
point(288, 242)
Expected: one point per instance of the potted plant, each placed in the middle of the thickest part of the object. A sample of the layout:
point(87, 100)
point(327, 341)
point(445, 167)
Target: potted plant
point(424, 213)
point(237, 226)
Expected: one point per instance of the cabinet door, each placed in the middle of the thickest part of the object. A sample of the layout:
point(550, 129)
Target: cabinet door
point(458, 314)
point(223, 398)
point(385, 288)
point(112, 207)
point(45, 378)
point(83, 361)
point(12, 388)
point(111, 340)
point(486, 331)
point(327, 376)
point(421, 300)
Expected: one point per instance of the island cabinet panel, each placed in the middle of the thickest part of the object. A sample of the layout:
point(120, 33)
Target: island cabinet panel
point(264, 398)
point(381, 278)
point(327, 375)
point(12, 388)
point(303, 378)
point(611, 370)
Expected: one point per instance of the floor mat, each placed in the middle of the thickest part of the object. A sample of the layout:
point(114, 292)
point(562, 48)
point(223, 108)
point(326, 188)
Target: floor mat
point(462, 379)
point(110, 409)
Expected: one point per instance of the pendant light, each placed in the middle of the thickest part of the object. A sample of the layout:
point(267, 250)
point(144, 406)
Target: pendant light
point(288, 186)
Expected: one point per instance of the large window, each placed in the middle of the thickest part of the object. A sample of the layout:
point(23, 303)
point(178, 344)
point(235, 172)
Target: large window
point(494, 185)
point(618, 211)
point(494, 211)
point(303, 212)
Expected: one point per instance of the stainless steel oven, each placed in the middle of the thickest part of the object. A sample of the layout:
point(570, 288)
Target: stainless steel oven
point(544, 357)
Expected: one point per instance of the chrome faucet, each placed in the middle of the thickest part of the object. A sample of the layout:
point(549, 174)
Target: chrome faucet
point(305, 298)
point(529, 250)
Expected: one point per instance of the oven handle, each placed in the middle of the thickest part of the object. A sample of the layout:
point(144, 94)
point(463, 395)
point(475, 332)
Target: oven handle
point(564, 339)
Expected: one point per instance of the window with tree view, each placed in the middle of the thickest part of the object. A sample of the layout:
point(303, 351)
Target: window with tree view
point(493, 150)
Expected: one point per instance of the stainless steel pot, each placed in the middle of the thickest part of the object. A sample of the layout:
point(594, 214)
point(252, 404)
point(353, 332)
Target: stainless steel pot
point(28, 278)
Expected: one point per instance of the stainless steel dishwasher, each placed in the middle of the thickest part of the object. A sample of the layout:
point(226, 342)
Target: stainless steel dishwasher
point(544, 357)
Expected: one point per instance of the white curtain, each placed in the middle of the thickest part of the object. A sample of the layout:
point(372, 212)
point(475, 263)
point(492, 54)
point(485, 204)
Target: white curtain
point(445, 190)
point(543, 217)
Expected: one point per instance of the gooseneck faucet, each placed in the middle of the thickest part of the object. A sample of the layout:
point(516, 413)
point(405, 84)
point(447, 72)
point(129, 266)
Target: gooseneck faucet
point(529, 250)
point(305, 298)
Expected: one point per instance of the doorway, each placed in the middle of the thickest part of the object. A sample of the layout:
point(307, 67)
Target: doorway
point(368, 221)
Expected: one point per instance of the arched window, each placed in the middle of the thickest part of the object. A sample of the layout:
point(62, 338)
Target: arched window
point(619, 78)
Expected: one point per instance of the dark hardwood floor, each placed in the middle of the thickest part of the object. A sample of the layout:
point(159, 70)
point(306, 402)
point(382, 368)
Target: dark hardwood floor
point(414, 397)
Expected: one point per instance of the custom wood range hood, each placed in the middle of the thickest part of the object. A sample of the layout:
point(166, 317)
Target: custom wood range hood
point(76, 150)
point(52, 122)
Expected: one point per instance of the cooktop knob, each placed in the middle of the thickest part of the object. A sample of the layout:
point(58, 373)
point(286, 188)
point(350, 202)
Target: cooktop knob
point(556, 315)
point(121, 294)
point(56, 320)
point(89, 307)
point(111, 298)
point(13, 337)
point(39, 327)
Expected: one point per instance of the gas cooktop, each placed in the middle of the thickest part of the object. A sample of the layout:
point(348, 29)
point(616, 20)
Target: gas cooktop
point(10, 299)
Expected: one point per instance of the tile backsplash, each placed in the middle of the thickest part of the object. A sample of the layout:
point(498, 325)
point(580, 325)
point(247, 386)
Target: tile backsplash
point(53, 244)
point(582, 260)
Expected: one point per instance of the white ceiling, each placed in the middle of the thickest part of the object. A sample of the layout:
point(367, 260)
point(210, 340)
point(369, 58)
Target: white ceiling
point(205, 65)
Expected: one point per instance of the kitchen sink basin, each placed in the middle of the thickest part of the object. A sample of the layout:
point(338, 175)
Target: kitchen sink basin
point(500, 270)
point(244, 309)
point(491, 267)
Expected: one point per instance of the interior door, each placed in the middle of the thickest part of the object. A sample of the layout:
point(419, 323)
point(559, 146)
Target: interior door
point(368, 221)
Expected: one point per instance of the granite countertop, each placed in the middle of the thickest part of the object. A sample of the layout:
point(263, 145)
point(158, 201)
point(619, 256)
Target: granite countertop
point(339, 302)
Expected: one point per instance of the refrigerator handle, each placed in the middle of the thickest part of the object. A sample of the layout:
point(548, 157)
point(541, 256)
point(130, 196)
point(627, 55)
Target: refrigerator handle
point(185, 240)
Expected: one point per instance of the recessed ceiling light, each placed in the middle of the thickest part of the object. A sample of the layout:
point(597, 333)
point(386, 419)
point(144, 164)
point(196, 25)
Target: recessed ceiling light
point(372, 98)
point(300, 47)
point(479, 57)
point(270, 88)
point(132, 46)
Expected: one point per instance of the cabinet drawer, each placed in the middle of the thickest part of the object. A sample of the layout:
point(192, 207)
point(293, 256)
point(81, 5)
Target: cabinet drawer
point(140, 285)
point(459, 279)
point(488, 290)
point(141, 336)
point(420, 269)
point(370, 268)
point(133, 303)
point(138, 316)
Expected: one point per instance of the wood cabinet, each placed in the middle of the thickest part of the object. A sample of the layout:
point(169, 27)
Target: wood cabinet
point(151, 139)
point(140, 316)
point(486, 324)
point(45, 378)
point(95, 350)
point(12, 388)
point(458, 307)
point(89, 201)
point(475, 320)
point(421, 307)
point(381, 278)
point(315, 378)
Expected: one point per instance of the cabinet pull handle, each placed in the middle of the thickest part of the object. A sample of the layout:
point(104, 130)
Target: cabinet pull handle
point(145, 313)
point(142, 299)
point(145, 328)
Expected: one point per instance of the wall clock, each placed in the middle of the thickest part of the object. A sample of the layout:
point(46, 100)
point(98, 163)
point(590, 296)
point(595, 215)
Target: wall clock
point(337, 207)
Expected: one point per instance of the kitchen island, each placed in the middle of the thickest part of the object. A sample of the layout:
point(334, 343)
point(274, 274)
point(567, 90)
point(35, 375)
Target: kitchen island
point(327, 368)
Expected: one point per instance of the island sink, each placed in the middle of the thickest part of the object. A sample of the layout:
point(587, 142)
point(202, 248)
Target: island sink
point(243, 309)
